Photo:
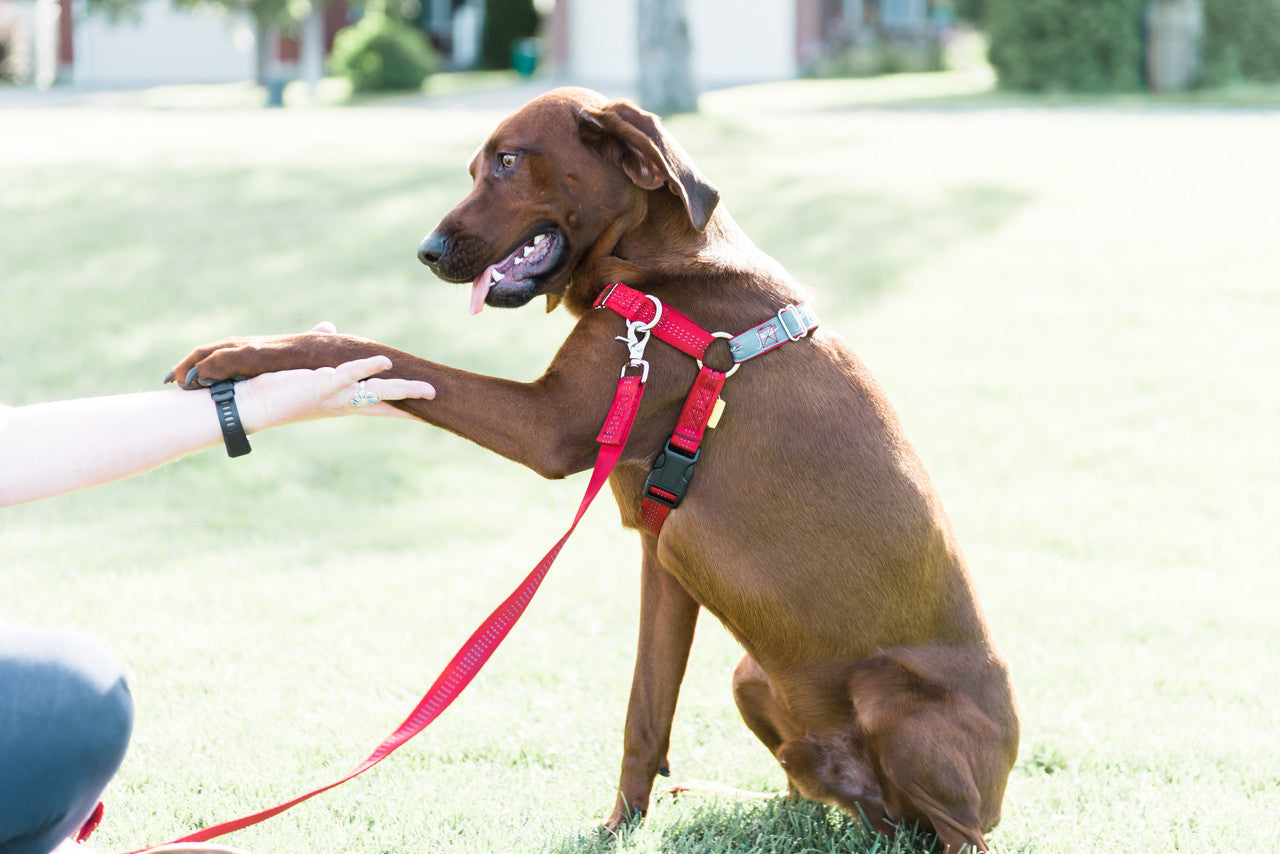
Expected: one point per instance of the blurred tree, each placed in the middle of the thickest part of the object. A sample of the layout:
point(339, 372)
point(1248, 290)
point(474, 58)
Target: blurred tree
point(970, 10)
point(116, 10)
point(1240, 41)
point(666, 80)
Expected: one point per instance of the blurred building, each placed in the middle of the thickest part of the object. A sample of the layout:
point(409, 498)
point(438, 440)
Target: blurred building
point(733, 41)
point(589, 41)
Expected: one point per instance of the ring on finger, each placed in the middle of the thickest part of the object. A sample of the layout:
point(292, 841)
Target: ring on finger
point(363, 396)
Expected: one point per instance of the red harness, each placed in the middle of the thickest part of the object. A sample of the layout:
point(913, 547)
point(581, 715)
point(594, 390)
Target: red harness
point(668, 480)
point(664, 490)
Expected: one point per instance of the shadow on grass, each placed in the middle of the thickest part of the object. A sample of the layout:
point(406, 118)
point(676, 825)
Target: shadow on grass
point(855, 247)
point(773, 826)
point(1235, 96)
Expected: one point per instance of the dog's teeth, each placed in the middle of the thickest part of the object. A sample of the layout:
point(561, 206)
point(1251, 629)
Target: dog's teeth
point(497, 277)
point(528, 250)
point(519, 260)
point(539, 239)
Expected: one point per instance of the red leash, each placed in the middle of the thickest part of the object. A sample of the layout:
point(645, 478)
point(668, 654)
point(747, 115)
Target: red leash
point(664, 490)
point(485, 640)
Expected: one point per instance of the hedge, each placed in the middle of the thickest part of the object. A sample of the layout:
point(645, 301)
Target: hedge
point(1241, 41)
point(1066, 45)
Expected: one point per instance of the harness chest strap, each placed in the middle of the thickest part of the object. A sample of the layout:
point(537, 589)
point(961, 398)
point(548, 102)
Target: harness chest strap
point(791, 323)
point(672, 470)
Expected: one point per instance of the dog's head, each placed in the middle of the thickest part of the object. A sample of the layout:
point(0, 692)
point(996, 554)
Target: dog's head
point(559, 181)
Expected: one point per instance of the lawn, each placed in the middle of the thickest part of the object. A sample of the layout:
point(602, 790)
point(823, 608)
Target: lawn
point(1075, 310)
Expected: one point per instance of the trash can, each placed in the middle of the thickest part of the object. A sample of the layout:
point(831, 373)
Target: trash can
point(1173, 30)
point(524, 56)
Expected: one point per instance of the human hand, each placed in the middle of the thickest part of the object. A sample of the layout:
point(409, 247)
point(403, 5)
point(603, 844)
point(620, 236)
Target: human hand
point(282, 397)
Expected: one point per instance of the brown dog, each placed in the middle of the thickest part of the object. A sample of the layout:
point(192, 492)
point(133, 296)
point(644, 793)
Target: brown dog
point(811, 529)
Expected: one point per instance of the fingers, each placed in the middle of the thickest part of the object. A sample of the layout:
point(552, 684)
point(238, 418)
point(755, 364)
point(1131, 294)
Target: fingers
point(400, 389)
point(383, 389)
point(361, 369)
point(386, 410)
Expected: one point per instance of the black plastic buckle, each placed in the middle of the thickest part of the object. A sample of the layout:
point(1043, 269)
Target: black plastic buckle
point(670, 476)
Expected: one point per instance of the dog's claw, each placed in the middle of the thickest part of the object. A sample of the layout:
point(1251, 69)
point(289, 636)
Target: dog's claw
point(169, 377)
point(194, 380)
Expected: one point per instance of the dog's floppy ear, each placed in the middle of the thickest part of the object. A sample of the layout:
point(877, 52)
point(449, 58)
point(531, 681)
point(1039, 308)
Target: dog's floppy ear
point(636, 140)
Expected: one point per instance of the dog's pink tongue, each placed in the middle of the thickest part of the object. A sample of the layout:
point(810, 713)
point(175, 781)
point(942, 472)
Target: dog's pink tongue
point(480, 289)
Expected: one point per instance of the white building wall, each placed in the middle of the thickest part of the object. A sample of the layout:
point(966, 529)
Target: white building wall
point(742, 41)
point(734, 41)
point(603, 49)
point(166, 46)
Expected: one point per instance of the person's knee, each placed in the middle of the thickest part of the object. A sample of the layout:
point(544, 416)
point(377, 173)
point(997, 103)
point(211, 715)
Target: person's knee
point(111, 717)
point(63, 733)
point(99, 701)
point(75, 698)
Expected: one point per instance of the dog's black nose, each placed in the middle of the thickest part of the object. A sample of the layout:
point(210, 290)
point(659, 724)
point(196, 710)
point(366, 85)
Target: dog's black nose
point(433, 248)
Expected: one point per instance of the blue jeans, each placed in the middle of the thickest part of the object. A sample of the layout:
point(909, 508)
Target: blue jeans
point(65, 719)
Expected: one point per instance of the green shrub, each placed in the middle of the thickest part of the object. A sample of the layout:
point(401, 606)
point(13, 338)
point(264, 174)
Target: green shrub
point(1241, 39)
point(505, 23)
point(380, 53)
point(1066, 45)
point(9, 67)
point(972, 11)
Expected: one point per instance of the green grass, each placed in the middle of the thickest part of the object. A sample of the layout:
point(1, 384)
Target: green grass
point(1075, 312)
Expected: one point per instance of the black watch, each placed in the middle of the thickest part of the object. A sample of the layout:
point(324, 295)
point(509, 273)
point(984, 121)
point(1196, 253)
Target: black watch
point(233, 435)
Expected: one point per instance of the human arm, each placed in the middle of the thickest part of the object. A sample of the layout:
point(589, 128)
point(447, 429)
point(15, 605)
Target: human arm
point(48, 449)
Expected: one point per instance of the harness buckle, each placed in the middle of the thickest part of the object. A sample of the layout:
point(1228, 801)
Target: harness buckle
point(794, 312)
point(668, 480)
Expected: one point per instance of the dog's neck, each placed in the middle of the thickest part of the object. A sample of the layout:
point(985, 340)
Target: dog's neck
point(654, 243)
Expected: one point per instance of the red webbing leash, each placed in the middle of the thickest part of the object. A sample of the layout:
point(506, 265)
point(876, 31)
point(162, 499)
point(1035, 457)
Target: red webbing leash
point(664, 490)
point(485, 640)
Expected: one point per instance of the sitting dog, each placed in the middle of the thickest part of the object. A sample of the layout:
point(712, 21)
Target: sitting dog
point(810, 530)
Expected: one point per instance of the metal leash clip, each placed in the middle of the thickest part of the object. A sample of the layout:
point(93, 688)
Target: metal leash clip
point(637, 338)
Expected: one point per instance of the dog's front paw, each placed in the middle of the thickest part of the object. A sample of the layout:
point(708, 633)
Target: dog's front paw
point(241, 358)
point(231, 358)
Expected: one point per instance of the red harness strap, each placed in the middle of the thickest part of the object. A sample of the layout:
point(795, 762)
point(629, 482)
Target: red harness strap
point(669, 478)
point(673, 327)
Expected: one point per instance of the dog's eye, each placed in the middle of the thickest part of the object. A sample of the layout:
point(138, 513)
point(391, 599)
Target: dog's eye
point(507, 161)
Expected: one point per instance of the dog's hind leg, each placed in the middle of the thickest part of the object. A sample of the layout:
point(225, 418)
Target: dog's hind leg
point(759, 707)
point(763, 715)
point(944, 732)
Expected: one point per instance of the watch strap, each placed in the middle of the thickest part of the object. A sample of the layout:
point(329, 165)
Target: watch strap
point(233, 435)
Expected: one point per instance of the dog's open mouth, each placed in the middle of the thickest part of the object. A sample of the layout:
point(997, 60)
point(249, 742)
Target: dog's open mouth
point(520, 276)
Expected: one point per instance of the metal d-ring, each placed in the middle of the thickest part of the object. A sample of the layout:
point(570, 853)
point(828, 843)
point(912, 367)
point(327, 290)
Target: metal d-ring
point(736, 365)
point(657, 314)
